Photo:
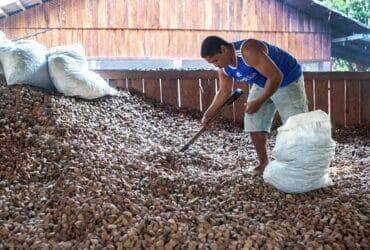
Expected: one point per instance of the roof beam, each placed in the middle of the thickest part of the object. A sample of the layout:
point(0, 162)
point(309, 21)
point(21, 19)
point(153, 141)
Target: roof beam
point(365, 37)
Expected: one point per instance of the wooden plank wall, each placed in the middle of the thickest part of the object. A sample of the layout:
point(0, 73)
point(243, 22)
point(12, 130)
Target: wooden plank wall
point(169, 28)
point(345, 96)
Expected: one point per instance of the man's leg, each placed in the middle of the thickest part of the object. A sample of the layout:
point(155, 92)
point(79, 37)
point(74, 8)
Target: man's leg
point(259, 140)
point(291, 100)
point(258, 125)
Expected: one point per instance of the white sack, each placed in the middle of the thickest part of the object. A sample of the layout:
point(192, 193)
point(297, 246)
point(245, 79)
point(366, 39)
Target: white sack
point(69, 71)
point(24, 62)
point(303, 151)
point(2, 36)
point(3, 39)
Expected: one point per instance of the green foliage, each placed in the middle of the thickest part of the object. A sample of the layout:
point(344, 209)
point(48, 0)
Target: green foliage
point(357, 9)
point(343, 65)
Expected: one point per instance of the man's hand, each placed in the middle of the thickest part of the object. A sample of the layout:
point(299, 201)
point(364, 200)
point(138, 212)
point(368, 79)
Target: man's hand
point(253, 106)
point(205, 120)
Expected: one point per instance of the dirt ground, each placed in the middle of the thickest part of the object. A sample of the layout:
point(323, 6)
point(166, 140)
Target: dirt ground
point(108, 174)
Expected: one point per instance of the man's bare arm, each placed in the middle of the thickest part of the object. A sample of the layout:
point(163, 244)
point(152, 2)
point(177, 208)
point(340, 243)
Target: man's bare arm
point(255, 54)
point(221, 96)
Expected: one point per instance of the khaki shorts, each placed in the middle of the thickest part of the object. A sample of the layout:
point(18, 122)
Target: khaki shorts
point(288, 101)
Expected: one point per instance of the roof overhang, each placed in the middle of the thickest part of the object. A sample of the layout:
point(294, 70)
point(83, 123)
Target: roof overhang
point(354, 48)
point(341, 24)
point(350, 38)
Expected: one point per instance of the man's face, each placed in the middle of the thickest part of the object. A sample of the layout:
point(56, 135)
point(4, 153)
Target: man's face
point(219, 60)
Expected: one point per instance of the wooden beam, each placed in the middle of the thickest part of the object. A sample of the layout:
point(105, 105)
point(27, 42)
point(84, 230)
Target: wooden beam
point(365, 37)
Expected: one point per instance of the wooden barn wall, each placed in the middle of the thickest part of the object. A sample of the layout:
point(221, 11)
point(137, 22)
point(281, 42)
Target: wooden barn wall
point(168, 28)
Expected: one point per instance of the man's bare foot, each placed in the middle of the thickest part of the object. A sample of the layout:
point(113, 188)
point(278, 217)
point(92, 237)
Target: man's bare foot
point(260, 168)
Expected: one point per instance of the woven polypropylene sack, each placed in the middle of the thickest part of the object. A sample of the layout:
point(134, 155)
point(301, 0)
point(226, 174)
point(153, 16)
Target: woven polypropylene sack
point(69, 72)
point(3, 40)
point(303, 151)
point(24, 62)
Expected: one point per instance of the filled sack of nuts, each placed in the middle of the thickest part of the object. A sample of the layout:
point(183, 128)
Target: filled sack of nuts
point(24, 62)
point(69, 72)
point(3, 39)
point(303, 151)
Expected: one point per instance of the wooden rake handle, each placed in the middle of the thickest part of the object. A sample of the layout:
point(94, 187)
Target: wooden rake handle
point(234, 96)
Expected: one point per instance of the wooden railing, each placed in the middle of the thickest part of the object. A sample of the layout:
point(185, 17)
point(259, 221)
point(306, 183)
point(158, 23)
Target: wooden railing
point(344, 95)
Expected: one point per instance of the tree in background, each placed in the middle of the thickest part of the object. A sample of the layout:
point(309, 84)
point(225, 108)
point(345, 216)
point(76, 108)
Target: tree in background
point(359, 10)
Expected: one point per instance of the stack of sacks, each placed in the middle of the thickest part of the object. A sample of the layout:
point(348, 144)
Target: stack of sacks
point(303, 151)
point(63, 69)
point(25, 62)
point(68, 68)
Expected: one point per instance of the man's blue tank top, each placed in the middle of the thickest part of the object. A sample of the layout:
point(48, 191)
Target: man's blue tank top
point(287, 64)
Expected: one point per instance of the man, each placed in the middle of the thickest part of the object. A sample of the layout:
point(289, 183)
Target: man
point(277, 84)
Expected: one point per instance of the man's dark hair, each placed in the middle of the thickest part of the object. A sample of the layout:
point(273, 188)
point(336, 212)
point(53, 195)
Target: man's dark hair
point(211, 46)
